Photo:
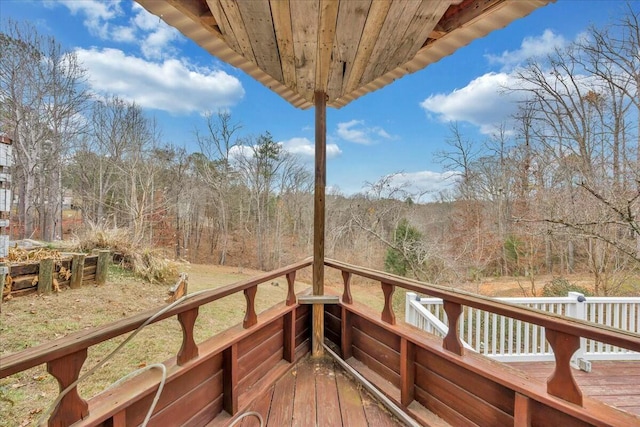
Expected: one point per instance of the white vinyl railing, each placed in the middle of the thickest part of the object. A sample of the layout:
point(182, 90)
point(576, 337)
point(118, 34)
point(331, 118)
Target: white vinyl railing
point(512, 340)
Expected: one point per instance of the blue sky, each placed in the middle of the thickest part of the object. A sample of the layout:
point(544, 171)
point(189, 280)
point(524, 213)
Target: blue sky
point(134, 55)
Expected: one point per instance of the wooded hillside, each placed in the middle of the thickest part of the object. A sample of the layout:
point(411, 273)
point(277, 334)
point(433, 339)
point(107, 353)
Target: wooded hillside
point(559, 193)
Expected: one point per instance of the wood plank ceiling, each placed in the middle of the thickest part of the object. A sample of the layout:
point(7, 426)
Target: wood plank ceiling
point(345, 48)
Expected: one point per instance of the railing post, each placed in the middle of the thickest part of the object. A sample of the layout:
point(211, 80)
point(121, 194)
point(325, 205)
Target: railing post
point(250, 317)
point(189, 348)
point(72, 407)
point(577, 310)
point(387, 312)
point(409, 310)
point(346, 293)
point(561, 383)
point(452, 341)
point(291, 291)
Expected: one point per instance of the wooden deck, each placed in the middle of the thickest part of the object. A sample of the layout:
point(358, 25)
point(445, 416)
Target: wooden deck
point(314, 393)
point(616, 383)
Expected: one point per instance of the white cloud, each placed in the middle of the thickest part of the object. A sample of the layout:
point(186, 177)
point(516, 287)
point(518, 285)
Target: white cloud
point(94, 10)
point(531, 47)
point(107, 20)
point(483, 102)
point(239, 152)
point(305, 148)
point(356, 131)
point(168, 85)
point(96, 13)
point(158, 35)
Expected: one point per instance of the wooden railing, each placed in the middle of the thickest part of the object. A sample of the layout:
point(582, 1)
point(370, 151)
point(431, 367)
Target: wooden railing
point(511, 340)
point(563, 334)
point(65, 357)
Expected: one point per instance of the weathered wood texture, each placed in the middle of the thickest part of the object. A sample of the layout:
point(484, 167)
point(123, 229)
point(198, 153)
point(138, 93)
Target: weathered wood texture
point(314, 393)
point(102, 268)
point(320, 182)
point(345, 48)
point(24, 274)
point(77, 270)
point(45, 276)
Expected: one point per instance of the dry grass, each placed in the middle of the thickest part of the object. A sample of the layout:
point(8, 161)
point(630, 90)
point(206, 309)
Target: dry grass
point(31, 320)
point(148, 264)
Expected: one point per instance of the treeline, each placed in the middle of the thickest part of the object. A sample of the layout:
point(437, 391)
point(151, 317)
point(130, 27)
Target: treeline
point(557, 193)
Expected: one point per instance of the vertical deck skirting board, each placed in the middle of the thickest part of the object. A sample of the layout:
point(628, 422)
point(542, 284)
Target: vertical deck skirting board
point(462, 389)
point(230, 379)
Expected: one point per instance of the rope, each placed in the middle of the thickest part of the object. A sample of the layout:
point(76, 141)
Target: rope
point(247, 414)
point(163, 369)
point(45, 415)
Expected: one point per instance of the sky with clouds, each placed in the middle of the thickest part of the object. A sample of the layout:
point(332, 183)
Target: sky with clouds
point(132, 54)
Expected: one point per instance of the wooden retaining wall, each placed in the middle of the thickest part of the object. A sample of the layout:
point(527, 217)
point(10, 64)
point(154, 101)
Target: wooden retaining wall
point(25, 275)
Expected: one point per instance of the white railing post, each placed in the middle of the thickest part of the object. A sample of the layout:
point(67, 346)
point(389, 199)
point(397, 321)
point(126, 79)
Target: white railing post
point(576, 309)
point(410, 312)
point(520, 341)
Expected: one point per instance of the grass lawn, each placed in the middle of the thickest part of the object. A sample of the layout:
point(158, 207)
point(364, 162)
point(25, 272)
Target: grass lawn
point(31, 320)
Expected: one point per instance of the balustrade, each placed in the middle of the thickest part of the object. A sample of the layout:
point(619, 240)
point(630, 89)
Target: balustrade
point(65, 357)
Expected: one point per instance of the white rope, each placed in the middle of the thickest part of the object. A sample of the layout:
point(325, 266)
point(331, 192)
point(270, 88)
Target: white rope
point(246, 414)
point(45, 415)
point(163, 380)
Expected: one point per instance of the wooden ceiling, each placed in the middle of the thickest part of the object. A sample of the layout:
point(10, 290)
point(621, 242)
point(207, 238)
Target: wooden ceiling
point(345, 48)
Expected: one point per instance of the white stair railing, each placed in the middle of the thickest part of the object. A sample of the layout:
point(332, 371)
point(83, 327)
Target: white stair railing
point(506, 339)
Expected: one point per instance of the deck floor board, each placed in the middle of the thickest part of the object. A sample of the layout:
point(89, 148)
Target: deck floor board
point(318, 393)
point(612, 382)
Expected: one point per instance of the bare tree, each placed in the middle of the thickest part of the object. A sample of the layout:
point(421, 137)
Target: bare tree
point(216, 144)
point(42, 95)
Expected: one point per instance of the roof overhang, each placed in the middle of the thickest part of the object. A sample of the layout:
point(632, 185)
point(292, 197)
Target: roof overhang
point(344, 48)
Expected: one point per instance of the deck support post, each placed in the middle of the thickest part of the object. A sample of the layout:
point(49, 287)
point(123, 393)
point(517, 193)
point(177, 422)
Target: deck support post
point(407, 371)
point(317, 341)
point(230, 379)
point(289, 336)
point(522, 411)
point(346, 334)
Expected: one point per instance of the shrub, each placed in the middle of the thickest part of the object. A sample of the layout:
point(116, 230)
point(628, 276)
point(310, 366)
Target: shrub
point(560, 287)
